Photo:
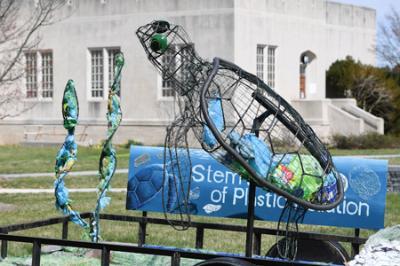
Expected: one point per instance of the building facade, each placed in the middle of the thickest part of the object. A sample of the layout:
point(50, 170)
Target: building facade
point(287, 43)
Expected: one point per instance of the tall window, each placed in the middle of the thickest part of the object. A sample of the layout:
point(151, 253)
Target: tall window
point(101, 70)
point(31, 75)
point(265, 69)
point(167, 84)
point(97, 73)
point(39, 74)
point(271, 66)
point(260, 61)
point(176, 59)
point(47, 74)
point(111, 64)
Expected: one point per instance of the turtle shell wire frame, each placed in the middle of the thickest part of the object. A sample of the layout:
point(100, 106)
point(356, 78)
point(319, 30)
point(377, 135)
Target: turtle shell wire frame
point(250, 106)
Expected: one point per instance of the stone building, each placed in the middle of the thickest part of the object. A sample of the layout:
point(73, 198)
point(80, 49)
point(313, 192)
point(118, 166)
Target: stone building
point(288, 43)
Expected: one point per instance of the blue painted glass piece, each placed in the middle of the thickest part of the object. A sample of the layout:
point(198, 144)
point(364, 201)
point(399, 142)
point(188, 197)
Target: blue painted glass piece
point(216, 114)
point(108, 159)
point(66, 156)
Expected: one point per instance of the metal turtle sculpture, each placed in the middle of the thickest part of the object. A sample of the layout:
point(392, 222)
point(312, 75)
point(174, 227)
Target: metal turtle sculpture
point(242, 123)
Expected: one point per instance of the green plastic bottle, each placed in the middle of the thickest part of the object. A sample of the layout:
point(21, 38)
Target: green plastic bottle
point(159, 43)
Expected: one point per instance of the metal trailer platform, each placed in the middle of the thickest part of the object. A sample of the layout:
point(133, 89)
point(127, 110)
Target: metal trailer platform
point(6, 235)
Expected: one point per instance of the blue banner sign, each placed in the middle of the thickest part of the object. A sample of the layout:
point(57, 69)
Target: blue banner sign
point(217, 191)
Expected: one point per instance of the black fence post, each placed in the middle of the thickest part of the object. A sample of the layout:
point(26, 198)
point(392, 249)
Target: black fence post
point(4, 247)
point(36, 250)
point(199, 237)
point(355, 247)
point(142, 230)
point(176, 259)
point(250, 219)
point(65, 229)
point(105, 257)
point(257, 243)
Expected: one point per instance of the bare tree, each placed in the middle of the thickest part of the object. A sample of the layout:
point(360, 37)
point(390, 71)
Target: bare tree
point(388, 43)
point(19, 24)
point(372, 95)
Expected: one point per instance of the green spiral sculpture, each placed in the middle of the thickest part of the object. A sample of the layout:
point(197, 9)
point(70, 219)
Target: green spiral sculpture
point(66, 156)
point(108, 159)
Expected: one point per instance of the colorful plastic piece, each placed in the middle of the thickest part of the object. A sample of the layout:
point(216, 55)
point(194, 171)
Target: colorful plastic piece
point(108, 158)
point(66, 156)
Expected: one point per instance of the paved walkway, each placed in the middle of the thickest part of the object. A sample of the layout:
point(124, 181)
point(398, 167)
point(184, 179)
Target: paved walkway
point(45, 190)
point(119, 171)
point(381, 156)
point(51, 190)
point(79, 173)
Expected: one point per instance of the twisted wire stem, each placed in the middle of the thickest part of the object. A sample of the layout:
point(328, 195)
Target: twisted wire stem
point(66, 156)
point(108, 159)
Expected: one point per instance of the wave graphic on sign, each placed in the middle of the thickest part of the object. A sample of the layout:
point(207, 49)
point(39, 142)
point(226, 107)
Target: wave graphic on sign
point(194, 194)
point(209, 208)
point(364, 181)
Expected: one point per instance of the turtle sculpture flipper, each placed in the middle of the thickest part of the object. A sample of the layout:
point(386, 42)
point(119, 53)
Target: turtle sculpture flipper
point(177, 172)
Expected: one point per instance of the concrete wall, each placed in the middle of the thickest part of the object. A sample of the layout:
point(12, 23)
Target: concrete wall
point(90, 24)
point(337, 116)
point(229, 29)
point(330, 30)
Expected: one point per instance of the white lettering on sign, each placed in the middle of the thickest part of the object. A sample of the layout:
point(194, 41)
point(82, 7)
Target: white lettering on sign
point(201, 173)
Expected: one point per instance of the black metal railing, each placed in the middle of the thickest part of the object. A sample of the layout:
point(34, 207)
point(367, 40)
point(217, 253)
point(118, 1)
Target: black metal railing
point(174, 253)
point(393, 181)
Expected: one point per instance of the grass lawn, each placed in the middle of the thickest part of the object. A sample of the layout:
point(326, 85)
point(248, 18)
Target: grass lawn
point(369, 152)
point(365, 152)
point(30, 207)
point(27, 159)
point(118, 181)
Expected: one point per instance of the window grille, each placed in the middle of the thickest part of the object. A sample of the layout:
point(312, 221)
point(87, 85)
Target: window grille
point(47, 74)
point(111, 64)
point(167, 84)
point(31, 75)
point(271, 66)
point(260, 61)
point(180, 66)
point(97, 73)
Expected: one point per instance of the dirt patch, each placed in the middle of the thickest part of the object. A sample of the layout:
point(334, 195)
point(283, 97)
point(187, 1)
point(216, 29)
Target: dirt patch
point(6, 207)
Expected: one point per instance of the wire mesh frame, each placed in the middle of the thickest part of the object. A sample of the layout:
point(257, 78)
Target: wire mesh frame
point(184, 71)
point(283, 113)
point(188, 88)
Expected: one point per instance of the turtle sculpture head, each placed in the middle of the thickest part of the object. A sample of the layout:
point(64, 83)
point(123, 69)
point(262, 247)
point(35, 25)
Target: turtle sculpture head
point(171, 51)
